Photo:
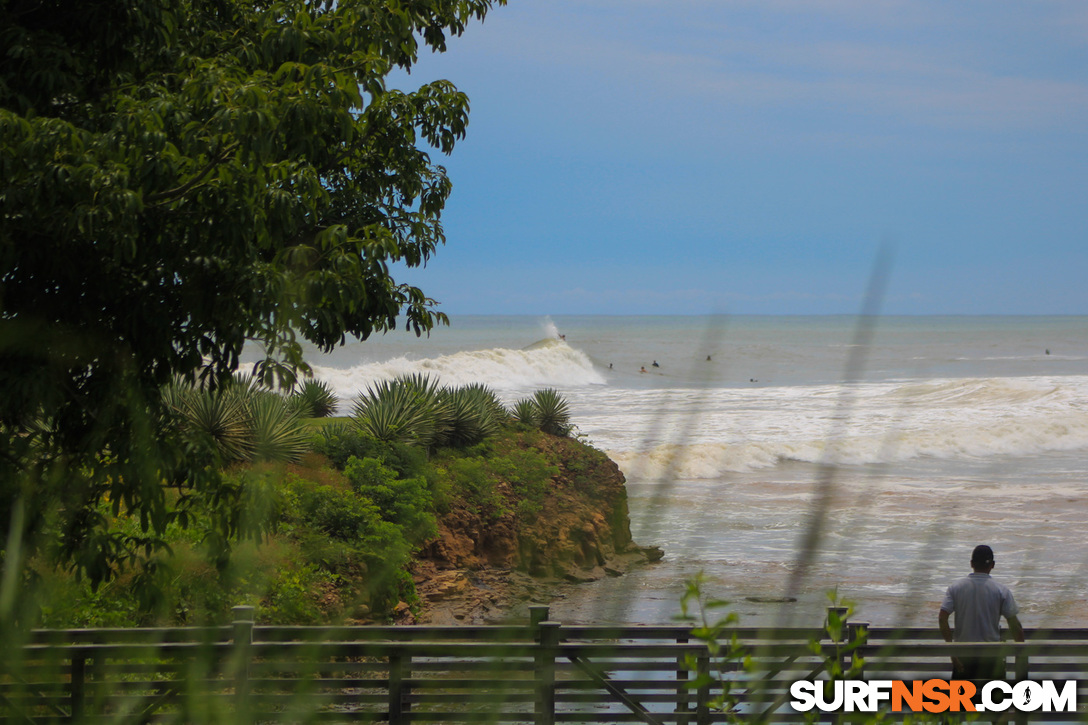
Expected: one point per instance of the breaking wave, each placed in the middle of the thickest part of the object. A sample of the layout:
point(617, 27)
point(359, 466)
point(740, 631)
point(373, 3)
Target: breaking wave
point(741, 431)
point(547, 363)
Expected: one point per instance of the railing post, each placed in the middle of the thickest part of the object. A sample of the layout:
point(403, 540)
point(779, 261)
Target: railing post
point(242, 643)
point(682, 695)
point(77, 691)
point(702, 694)
point(547, 650)
point(538, 613)
point(400, 668)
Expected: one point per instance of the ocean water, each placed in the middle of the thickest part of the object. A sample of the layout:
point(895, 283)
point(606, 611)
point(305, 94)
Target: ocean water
point(789, 457)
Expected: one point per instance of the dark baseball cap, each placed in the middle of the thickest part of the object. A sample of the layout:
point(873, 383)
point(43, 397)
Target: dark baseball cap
point(982, 555)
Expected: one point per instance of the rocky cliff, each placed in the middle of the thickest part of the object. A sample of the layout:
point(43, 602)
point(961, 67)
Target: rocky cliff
point(480, 566)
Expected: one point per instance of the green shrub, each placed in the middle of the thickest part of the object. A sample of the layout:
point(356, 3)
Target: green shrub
point(340, 514)
point(339, 443)
point(529, 474)
point(473, 479)
point(404, 502)
point(294, 595)
point(263, 500)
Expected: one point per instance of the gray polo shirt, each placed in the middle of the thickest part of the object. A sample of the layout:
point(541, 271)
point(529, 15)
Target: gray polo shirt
point(979, 602)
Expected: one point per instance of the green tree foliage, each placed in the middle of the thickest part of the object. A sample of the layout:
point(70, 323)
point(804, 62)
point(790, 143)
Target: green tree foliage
point(180, 177)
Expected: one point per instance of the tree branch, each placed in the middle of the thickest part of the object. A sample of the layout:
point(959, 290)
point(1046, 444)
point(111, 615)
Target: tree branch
point(177, 193)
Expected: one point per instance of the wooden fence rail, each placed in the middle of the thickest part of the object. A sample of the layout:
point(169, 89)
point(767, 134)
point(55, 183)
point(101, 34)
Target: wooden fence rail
point(541, 674)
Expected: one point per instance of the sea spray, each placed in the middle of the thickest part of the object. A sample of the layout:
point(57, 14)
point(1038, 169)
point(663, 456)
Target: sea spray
point(547, 363)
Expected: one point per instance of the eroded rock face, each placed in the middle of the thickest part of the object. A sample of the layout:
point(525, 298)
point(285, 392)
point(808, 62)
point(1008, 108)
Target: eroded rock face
point(478, 568)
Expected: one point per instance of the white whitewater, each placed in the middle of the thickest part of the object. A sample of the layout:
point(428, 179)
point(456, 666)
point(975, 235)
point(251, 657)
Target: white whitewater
point(546, 363)
point(955, 431)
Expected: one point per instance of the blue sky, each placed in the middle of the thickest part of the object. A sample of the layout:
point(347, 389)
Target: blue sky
point(751, 156)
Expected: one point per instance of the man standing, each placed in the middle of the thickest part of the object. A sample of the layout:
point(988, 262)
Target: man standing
point(979, 602)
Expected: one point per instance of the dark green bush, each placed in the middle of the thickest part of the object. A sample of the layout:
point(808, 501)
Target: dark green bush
point(341, 514)
point(405, 502)
point(339, 443)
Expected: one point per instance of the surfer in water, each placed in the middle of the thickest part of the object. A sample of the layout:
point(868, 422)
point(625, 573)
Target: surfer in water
point(643, 369)
point(655, 364)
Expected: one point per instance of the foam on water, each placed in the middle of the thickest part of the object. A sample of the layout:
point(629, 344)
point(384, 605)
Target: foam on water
point(548, 362)
point(710, 433)
point(961, 431)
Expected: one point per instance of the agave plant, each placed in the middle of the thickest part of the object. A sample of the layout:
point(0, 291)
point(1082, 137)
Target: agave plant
point(245, 386)
point(218, 416)
point(279, 432)
point(244, 421)
point(392, 411)
point(176, 394)
point(490, 401)
point(315, 399)
point(553, 412)
point(475, 414)
point(525, 412)
point(431, 394)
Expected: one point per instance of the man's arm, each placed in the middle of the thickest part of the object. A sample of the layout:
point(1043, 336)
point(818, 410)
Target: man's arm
point(946, 630)
point(1015, 628)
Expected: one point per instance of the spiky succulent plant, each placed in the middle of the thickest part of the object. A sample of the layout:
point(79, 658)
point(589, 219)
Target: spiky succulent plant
point(553, 412)
point(395, 412)
point(525, 412)
point(475, 414)
point(315, 399)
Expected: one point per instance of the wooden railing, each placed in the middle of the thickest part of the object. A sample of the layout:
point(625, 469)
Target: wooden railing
point(542, 674)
